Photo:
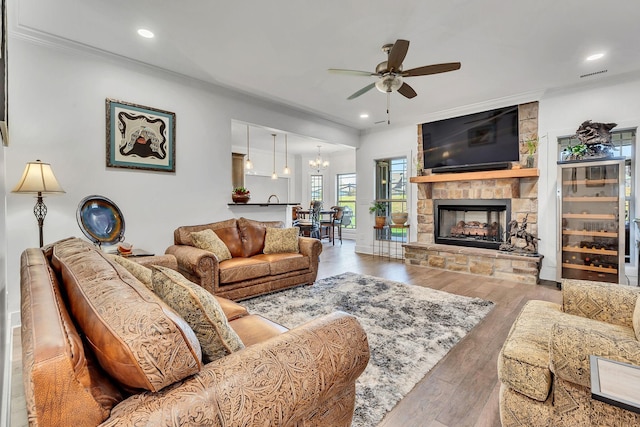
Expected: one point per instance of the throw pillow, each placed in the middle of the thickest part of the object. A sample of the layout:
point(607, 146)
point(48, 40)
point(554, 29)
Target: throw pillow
point(200, 310)
point(136, 338)
point(281, 240)
point(140, 272)
point(209, 241)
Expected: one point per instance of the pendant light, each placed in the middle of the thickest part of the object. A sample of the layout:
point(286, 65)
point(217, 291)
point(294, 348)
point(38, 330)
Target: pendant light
point(248, 164)
point(286, 170)
point(274, 175)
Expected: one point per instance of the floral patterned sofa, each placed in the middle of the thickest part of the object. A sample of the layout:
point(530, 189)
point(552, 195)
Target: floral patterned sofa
point(544, 367)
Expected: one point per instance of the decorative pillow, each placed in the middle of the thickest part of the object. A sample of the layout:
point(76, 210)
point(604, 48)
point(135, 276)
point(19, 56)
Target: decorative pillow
point(141, 272)
point(209, 241)
point(281, 240)
point(136, 338)
point(253, 232)
point(201, 311)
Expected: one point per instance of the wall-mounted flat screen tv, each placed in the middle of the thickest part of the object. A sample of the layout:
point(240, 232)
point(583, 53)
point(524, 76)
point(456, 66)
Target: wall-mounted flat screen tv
point(481, 139)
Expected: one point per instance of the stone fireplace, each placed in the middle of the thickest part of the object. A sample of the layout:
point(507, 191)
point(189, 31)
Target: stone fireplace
point(473, 223)
point(463, 237)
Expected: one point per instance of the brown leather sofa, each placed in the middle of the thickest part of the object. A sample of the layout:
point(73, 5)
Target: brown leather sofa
point(83, 314)
point(249, 272)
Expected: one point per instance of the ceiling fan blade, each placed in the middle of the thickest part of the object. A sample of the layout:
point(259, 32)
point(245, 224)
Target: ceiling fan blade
point(351, 72)
point(365, 89)
point(432, 69)
point(407, 91)
point(397, 54)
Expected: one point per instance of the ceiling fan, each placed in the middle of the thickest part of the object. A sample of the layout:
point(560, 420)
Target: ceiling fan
point(390, 73)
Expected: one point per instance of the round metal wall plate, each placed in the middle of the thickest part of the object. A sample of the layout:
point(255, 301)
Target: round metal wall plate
point(100, 220)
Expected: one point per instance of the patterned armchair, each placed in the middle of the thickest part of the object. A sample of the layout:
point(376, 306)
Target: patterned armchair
point(544, 363)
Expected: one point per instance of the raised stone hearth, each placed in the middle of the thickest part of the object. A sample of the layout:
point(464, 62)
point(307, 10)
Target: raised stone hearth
point(479, 261)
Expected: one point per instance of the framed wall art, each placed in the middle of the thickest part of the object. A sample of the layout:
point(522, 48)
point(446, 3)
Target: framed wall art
point(140, 137)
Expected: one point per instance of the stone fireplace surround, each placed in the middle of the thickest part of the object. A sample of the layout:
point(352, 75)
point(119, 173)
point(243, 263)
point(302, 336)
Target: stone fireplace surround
point(520, 186)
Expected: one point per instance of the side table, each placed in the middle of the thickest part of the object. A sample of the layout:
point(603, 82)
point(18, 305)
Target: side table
point(404, 234)
point(379, 239)
point(387, 235)
point(136, 252)
point(615, 383)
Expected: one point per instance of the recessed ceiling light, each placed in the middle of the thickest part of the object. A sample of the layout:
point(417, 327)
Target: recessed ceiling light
point(364, 116)
point(595, 56)
point(145, 33)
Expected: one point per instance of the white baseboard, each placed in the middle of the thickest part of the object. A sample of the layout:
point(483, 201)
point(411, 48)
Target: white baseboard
point(14, 319)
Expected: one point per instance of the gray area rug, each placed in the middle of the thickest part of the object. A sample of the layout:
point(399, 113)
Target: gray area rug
point(410, 328)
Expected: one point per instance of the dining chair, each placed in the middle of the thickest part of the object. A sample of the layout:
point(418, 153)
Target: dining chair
point(311, 226)
point(335, 221)
point(294, 213)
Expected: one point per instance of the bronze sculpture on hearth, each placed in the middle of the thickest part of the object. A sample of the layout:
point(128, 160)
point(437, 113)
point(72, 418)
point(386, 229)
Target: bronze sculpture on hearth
point(519, 232)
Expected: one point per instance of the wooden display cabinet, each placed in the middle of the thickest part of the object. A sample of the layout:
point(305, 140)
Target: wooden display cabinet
point(591, 218)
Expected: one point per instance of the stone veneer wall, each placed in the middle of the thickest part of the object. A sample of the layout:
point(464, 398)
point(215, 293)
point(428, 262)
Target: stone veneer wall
point(523, 193)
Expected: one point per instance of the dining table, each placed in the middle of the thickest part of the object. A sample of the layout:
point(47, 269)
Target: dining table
point(325, 214)
point(326, 221)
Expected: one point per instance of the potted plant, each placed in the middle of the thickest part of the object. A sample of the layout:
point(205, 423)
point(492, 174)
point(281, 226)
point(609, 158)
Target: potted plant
point(418, 164)
point(240, 195)
point(532, 147)
point(576, 152)
point(379, 209)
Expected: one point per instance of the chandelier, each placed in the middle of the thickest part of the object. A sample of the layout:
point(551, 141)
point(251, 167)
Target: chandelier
point(318, 164)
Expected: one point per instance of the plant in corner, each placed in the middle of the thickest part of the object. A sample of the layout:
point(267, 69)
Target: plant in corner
point(418, 164)
point(240, 195)
point(532, 147)
point(380, 210)
point(577, 152)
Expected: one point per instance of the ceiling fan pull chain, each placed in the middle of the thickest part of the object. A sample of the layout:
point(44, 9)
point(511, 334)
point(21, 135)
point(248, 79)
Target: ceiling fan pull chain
point(388, 108)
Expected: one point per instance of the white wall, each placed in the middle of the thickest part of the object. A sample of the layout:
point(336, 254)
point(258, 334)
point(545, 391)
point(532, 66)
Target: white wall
point(57, 115)
point(380, 144)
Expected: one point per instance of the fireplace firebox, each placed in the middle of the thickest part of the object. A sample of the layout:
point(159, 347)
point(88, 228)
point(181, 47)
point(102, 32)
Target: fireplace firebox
point(477, 223)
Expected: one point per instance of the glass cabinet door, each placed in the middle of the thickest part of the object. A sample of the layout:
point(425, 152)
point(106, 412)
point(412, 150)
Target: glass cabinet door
point(591, 205)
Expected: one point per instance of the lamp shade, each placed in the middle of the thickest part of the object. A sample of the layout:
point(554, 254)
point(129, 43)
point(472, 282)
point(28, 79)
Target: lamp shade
point(38, 177)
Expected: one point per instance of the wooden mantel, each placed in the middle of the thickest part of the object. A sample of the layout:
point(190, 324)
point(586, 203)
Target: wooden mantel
point(469, 176)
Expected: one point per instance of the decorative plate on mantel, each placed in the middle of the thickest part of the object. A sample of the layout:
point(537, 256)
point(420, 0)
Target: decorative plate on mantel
point(100, 220)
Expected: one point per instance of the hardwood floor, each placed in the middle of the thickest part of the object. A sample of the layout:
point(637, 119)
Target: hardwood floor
point(462, 389)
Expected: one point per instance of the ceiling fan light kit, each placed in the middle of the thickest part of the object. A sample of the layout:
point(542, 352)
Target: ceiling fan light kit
point(389, 83)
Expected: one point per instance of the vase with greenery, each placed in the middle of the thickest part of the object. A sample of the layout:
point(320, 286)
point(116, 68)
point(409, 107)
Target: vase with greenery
point(532, 148)
point(380, 210)
point(240, 195)
point(418, 164)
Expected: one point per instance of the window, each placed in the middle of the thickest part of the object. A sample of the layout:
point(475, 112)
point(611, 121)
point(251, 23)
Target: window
point(346, 191)
point(391, 187)
point(624, 142)
point(316, 187)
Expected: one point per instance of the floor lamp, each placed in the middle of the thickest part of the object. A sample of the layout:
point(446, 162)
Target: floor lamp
point(38, 178)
